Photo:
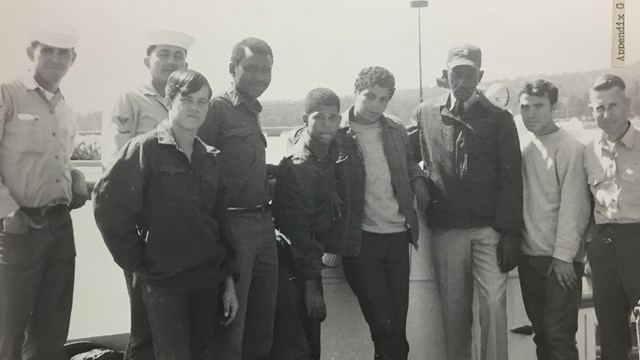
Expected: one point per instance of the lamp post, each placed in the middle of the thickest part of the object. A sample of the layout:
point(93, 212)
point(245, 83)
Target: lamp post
point(419, 4)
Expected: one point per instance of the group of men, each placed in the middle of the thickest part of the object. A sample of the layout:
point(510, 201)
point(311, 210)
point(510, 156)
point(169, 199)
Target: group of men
point(350, 184)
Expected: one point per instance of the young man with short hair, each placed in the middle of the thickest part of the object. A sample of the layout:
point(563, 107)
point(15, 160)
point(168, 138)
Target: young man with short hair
point(233, 126)
point(141, 109)
point(137, 112)
point(613, 168)
point(303, 206)
point(556, 215)
point(376, 180)
point(38, 188)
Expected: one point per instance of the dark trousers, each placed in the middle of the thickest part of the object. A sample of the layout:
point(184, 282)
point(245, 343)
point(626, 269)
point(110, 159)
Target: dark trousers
point(295, 336)
point(183, 321)
point(36, 290)
point(140, 346)
point(614, 257)
point(552, 310)
point(379, 277)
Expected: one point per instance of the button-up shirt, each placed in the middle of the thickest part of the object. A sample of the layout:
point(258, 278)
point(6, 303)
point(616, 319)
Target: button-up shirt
point(135, 112)
point(233, 127)
point(303, 202)
point(614, 178)
point(152, 188)
point(36, 143)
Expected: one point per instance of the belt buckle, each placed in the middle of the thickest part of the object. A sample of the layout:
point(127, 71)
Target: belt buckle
point(607, 240)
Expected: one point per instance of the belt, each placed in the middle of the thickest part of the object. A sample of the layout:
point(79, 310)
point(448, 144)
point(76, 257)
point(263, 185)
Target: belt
point(254, 209)
point(45, 210)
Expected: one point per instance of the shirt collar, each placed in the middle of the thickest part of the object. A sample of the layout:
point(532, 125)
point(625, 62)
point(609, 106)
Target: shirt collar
point(30, 83)
point(467, 104)
point(165, 137)
point(628, 139)
point(237, 99)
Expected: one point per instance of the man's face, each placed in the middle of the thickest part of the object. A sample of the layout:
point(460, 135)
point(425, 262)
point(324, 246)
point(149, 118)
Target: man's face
point(371, 102)
point(537, 114)
point(164, 60)
point(51, 63)
point(611, 111)
point(463, 80)
point(252, 75)
point(188, 112)
point(323, 123)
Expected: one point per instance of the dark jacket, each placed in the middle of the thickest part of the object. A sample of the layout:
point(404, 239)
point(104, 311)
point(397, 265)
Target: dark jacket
point(350, 179)
point(473, 163)
point(303, 203)
point(162, 216)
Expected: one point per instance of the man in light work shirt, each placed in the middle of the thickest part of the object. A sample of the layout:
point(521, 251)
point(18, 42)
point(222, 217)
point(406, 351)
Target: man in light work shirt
point(556, 214)
point(137, 112)
point(233, 126)
point(141, 109)
point(613, 167)
point(471, 150)
point(38, 187)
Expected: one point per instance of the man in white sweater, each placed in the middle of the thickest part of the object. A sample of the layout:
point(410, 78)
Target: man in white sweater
point(556, 215)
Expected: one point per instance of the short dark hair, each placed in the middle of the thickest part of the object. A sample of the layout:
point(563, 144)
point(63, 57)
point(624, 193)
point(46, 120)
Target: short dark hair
point(151, 48)
point(540, 87)
point(319, 97)
point(608, 81)
point(255, 45)
point(375, 75)
point(185, 82)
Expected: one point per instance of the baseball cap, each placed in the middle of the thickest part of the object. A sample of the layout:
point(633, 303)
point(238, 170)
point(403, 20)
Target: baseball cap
point(464, 54)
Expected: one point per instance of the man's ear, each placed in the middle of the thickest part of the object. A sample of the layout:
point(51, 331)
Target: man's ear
point(305, 118)
point(554, 108)
point(232, 69)
point(480, 74)
point(186, 65)
point(30, 52)
point(73, 56)
point(147, 62)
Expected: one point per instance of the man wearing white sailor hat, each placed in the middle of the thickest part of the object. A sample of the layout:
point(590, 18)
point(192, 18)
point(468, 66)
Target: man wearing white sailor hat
point(139, 110)
point(136, 112)
point(38, 188)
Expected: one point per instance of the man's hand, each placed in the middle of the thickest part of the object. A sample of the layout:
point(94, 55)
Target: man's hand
point(508, 251)
point(314, 300)
point(229, 301)
point(78, 189)
point(565, 273)
point(419, 186)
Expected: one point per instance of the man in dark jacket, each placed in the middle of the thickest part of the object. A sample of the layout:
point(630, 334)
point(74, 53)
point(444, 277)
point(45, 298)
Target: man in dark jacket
point(472, 155)
point(376, 179)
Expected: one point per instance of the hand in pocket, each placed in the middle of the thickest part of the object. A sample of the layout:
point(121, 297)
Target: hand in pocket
point(16, 223)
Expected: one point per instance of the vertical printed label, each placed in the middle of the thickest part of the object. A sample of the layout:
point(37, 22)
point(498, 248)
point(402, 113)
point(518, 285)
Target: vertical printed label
point(618, 31)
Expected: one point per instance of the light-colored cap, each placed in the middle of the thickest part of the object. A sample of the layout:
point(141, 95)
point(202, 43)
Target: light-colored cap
point(56, 37)
point(464, 54)
point(169, 37)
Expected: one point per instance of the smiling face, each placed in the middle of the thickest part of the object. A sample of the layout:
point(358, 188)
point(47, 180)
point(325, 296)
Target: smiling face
point(463, 80)
point(252, 75)
point(371, 103)
point(323, 123)
point(611, 111)
point(165, 59)
point(537, 114)
point(50, 63)
point(188, 112)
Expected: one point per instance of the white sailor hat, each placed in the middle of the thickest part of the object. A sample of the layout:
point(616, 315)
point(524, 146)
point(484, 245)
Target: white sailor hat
point(169, 37)
point(64, 38)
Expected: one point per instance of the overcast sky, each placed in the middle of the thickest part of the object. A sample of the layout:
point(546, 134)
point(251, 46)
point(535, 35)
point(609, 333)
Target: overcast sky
point(320, 43)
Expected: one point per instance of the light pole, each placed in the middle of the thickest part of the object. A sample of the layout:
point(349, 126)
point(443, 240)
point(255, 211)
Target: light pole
point(419, 4)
